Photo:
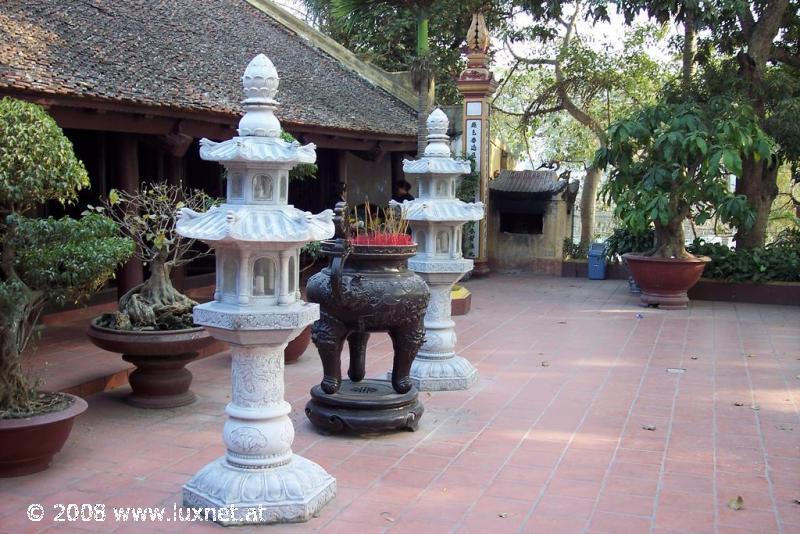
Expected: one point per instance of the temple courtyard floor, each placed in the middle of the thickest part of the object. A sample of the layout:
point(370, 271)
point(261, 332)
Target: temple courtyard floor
point(591, 414)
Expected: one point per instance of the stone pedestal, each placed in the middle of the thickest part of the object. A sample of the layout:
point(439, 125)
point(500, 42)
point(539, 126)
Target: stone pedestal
point(259, 470)
point(437, 367)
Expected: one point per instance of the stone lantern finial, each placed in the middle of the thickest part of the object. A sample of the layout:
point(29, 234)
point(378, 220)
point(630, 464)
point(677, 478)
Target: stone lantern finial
point(438, 140)
point(260, 83)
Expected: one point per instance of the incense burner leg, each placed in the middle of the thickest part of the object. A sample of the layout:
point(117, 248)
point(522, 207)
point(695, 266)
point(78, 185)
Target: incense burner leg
point(406, 341)
point(358, 355)
point(328, 334)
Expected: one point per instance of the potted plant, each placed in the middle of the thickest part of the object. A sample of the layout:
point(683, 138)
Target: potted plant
point(41, 261)
point(153, 327)
point(671, 162)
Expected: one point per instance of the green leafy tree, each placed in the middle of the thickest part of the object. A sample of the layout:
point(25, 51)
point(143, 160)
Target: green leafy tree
point(671, 162)
point(567, 90)
point(748, 51)
point(42, 260)
point(423, 36)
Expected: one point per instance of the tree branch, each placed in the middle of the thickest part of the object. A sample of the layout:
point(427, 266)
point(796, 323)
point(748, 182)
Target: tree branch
point(781, 55)
point(529, 61)
point(577, 113)
point(765, 30)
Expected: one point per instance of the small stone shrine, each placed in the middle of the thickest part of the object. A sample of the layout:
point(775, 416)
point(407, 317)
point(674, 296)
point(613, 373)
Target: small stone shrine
point(257, 308)
point(436, 218)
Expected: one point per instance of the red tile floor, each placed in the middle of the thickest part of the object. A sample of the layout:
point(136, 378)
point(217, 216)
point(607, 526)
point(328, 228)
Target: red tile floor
point(576, 425)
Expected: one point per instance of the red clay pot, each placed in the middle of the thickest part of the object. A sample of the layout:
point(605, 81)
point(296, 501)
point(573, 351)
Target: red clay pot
point(160, 379)
point(297, 346)
point(27, 445)
point(665, 281)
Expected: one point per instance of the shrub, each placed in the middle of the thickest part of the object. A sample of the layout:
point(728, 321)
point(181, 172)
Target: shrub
point(623, 240)
point(42, 260)
point(777, 261)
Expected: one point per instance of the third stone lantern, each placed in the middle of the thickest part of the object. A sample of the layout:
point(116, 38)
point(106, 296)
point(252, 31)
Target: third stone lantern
point(436, 219)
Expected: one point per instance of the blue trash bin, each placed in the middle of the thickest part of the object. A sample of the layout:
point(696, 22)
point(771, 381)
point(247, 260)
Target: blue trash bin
point(597, 261)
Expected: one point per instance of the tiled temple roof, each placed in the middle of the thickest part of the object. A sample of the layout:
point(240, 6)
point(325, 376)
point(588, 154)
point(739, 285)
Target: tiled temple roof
point(534, 182)
point(183, 55)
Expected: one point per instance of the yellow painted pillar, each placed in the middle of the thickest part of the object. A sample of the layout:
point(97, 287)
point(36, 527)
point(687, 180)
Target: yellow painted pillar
point(477, 85)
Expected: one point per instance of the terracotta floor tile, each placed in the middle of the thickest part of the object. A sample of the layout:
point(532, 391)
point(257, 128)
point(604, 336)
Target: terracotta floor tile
point(676, 518)
point(566, 438)
point(618, 523)
point(625, 504)
point(540, 523)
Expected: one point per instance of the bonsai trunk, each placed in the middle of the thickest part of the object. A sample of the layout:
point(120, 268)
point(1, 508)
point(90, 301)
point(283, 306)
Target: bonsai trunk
point(588, 197)
point(670, 239)
point(156, 300)
point(759, 185)
point(16, 390)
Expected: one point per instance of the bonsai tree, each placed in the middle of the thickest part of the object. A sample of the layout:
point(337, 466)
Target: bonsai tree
point(148, 217)
point(672, 161)
point(42, 260)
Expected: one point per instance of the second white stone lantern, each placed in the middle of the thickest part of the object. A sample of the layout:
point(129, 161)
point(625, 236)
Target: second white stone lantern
point(436, 218)
point(257, 238)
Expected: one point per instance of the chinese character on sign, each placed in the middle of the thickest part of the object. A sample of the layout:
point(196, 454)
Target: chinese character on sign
point(474, 145)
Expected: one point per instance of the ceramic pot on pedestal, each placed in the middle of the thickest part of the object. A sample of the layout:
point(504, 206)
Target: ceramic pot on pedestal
point(160, 379)
point(664, 282)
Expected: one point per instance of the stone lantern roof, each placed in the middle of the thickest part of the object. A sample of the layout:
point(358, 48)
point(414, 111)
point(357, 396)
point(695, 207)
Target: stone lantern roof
point(437, 172)
point(258, 148)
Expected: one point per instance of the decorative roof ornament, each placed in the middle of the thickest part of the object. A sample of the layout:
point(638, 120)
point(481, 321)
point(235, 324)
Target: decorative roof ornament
point(477, 50)
point(260, 83)
point(478, 34)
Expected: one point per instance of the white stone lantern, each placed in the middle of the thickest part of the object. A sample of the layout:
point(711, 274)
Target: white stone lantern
point(257, 308)
point(436, 218)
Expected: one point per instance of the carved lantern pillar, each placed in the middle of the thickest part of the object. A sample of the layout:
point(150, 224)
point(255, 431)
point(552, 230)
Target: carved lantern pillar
point(477, 85)
point(436, 219)
point(257, 238)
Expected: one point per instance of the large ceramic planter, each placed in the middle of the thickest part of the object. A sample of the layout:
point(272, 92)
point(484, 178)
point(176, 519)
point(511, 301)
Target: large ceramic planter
point(664, 282)
point(160, 379)
point(28, 445)
point(296, 347)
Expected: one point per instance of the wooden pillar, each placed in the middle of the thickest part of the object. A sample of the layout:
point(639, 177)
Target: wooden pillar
point(341, 177)
point(174, 172)
point(127, 171)
point(397, 169)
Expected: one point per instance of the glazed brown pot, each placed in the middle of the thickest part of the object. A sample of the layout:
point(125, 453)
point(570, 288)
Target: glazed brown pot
point(27, 445)
point(665, 281)
point(297, 346)
point(160, 379)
